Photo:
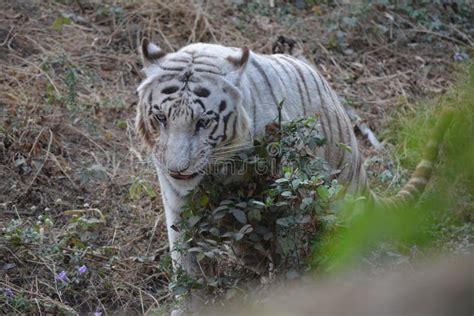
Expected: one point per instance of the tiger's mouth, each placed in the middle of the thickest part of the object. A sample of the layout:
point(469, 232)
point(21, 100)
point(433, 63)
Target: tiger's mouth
point(181, 176)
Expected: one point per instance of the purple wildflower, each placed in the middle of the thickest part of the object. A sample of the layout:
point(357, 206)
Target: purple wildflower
point(62, 276)
point(9, 293)
point(460, 56)
point(82, 269)
point(98, 314)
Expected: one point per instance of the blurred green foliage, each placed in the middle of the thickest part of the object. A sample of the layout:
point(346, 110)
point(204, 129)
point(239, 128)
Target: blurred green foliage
point(446, 209)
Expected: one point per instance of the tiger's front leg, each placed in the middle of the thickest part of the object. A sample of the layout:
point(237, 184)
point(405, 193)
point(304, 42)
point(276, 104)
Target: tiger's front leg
point(173, 201)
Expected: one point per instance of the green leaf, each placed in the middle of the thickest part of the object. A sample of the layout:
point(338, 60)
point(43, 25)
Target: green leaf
point(211, 242)
point(193, 220)
point(345, 147)
point(280, 104)
point(209, 254)
point(286, 194)
point(215, 231)
point(228, 234)
point(60, 21)
point(220, 208)
point(238, 236)
point(241, 204)
point(295, 183)
point(254, 214)
point(149, 190)
point(283, 222)
point(323, 192)
point(246, 229)
point(218, 215)
point(267, 236)
point(195, 249)
point(178, 290)
point(122, 124)
point(239, 215)
point(200, 256)
point(204, 200)
point(258, 203)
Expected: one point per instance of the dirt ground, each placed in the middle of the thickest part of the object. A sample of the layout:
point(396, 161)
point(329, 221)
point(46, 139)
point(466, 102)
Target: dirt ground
point(69, 70)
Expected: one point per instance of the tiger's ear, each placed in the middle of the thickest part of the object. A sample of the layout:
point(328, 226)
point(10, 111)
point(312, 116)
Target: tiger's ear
point(150, 52)
point(239, 61)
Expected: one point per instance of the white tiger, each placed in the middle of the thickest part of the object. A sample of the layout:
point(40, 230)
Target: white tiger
point(207, 100)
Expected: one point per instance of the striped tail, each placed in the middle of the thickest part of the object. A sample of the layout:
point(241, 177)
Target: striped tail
point(422, 174)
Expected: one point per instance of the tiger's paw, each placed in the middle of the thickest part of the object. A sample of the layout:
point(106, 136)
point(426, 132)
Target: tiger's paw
point(177, 312)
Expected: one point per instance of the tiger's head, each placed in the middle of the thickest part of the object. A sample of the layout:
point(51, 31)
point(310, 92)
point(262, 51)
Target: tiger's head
point(190, 111)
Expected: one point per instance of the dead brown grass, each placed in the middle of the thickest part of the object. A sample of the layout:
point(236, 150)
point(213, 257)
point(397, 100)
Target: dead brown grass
point(67, 143)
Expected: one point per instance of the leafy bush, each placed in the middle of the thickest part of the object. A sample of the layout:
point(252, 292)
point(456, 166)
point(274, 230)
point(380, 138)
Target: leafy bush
point(259, 211)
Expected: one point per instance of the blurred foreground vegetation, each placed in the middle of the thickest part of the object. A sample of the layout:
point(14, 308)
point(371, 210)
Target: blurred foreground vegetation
point(446, 210)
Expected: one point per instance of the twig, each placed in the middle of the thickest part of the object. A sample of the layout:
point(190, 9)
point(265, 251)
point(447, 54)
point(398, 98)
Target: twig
point(12, 253)
point(148, 294)
point(158, 28)
point(449, 39)
point(44, 162)
point(330, 57)
point(417, 29)
point(43, 50)
point(35, 142)
point(63, 171)
point(8, 35)
point(211, 30)
point(44, 298)
point(192, 36)
point(462, 34)
point(56, 283)
point(158, 218)
point(378, 79)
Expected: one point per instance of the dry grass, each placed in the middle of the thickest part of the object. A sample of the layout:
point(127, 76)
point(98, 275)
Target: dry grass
point(69, 70)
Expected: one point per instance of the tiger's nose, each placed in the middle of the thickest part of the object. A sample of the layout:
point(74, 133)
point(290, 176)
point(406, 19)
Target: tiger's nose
point(179, 167)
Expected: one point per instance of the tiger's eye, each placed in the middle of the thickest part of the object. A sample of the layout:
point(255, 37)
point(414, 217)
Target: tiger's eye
point(170, 90)
point(202, 92)
point(203, 123)
point(161, 117)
